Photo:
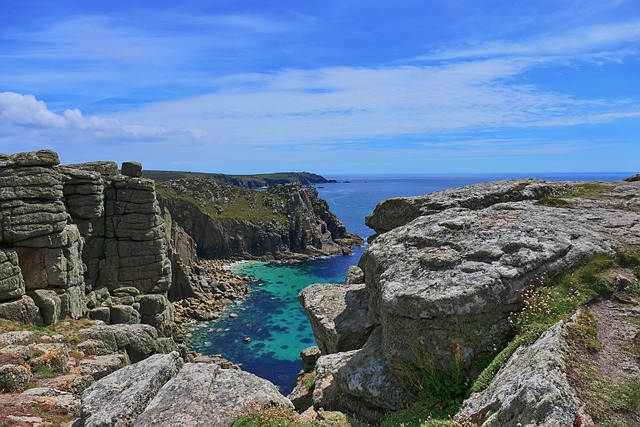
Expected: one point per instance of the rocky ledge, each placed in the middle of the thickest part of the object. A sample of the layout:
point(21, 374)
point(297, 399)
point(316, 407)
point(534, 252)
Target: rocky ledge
point(443, 275)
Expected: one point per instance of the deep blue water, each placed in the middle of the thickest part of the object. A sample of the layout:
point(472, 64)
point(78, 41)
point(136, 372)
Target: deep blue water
point(271, 318)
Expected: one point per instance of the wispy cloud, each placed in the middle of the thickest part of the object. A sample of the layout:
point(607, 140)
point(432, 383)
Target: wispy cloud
point(344, 103)
point(580, 43)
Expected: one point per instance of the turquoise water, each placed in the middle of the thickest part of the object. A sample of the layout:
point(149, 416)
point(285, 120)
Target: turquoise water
point(271, 327)
point(271, 318)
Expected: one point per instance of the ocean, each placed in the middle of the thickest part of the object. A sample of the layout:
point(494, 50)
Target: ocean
point(265, 331)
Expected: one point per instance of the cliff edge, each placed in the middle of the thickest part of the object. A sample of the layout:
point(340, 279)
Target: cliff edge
point(447, 274)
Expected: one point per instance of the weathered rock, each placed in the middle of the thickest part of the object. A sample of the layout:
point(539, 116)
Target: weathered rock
point(23, 310)
point(49, 304)
point(56, 400)
point(453, 277)
point(451, 266)
point(302, 394)
point(93, 347)
point(124, 314)
point(338, 316)
point(119, 398)
point(17, 338)
point(139, 341)
point(367, 384)
point(133, 169)
point(229, 393)
point(309, 357)
point(106, 168)
point(14, 377)
point(11, 280)
point(101, 366)
point(355, 276)
point(54, 356)
point(393, 213)
point(531, 389)
point(324, 392)
point(31, 158)
point(157, 311)
point(101, 313)
point(53, 261)
point(72, 303)
point(84, 193)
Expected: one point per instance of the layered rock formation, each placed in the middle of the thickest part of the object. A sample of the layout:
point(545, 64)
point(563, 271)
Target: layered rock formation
point(447, 269)
point(231, 222)
point(81, 240)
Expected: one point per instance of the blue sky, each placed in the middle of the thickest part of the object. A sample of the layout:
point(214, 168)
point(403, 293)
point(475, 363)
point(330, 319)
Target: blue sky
point(326, 86)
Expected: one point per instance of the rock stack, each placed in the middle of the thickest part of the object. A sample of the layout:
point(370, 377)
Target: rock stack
point(81, 240)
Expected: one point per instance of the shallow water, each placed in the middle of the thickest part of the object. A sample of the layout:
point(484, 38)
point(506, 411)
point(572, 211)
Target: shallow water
point(270, 316)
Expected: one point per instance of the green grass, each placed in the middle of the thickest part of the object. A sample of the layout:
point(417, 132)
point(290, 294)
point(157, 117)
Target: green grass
point(42, 372)
point(235, 203)
point(310, 381)
point(279, 416)
point(560, 200)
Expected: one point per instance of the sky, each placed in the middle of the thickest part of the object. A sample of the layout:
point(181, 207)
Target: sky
point(331, 86)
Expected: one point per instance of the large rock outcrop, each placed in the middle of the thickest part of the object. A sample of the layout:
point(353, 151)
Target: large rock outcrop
point(163, 391)
point(450, 267)
point(81, 240)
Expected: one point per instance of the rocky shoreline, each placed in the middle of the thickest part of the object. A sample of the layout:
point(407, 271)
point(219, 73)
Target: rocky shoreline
point(463, 283)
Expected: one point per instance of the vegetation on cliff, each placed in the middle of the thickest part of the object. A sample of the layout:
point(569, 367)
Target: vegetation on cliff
point(228, 221)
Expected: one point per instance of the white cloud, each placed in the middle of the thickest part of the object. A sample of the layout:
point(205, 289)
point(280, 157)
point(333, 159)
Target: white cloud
point(24, 119)
point(346, 103)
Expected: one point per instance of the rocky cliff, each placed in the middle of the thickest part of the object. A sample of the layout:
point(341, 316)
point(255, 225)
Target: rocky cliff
point(247, 181)
point(228, 221)
point(81, 240)
point(445, 272)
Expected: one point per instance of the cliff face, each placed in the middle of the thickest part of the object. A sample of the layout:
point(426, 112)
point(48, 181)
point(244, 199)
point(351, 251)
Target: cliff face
point(227, 221)
point(81, 240)
point(447, 269)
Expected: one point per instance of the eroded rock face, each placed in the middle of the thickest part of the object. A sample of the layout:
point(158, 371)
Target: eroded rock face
point(446, 275)
point(289, 221)
point(338, 316)
point(67, 230)
point(531, 388)
point(163, 391)
point(454, 277)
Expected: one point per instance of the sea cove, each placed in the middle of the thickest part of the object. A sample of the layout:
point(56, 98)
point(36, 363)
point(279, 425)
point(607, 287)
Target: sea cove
point(271, 327)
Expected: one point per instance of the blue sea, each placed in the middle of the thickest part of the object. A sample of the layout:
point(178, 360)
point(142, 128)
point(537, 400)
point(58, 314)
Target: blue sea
point(271, 328)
